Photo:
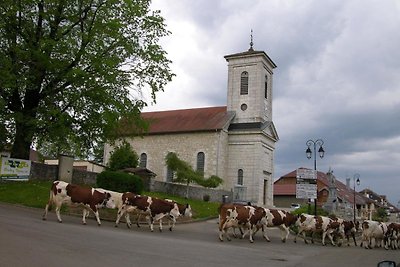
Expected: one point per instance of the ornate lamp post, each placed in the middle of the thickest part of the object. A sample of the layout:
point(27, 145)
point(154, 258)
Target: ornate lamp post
point(356, 179)
point(309, 153)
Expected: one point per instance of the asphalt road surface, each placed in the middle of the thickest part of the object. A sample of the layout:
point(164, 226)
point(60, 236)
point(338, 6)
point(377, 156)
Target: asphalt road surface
point(26, 240)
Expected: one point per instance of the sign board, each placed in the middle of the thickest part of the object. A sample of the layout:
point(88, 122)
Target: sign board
point(14, 169)
point(306, 184)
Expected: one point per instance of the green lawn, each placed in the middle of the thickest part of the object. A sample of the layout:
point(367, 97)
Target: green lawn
point(36, 194)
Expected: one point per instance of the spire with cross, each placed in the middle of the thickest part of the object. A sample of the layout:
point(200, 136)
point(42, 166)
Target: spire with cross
point(251, 41)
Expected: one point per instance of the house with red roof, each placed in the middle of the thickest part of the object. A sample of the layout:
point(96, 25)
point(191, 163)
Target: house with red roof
point(333, 195)
point(235, 142)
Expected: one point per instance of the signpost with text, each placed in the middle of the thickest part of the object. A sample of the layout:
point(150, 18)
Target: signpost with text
point(306, 184)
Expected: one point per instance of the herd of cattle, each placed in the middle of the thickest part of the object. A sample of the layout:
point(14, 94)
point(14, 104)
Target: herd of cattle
point(248, 219)
point(154, 209)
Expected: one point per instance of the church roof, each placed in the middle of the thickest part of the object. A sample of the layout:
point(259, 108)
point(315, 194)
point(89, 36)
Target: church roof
point(251, 52)
point(188, 120)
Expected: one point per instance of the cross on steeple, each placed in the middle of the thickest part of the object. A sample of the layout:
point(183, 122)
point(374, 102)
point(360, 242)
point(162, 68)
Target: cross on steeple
point(251, 41)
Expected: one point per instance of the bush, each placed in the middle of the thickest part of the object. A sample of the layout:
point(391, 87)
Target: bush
point(120, 182)
point(123, 157)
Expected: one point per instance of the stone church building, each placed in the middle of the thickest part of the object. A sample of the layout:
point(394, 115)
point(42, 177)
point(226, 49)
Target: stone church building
point(235, 142)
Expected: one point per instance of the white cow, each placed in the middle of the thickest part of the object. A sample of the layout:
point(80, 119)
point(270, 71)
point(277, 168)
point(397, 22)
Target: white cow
point(373, 234)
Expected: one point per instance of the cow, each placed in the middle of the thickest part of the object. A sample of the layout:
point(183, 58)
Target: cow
point(350, 228)
point(281, 219)
point(373, 234)
point(238, 215)
point(119, 199)
point(314, 224)
point(72, 194)
point(392, 236)
point(154, 209)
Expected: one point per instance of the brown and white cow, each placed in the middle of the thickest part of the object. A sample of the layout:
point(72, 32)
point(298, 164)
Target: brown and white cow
point(315, 224)
point(392, 236)
point(154, 209)
point(240, 216)
point(373, 234)
point(281, 219)
point(350, 229)
point(71, 194)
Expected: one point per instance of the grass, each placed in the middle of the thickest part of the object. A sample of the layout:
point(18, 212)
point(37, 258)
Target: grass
point(36, 194)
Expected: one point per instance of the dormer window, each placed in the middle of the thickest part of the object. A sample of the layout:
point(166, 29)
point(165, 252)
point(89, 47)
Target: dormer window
point(244, 83)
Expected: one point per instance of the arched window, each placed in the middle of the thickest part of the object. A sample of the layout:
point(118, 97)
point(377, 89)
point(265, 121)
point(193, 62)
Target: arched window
point(200, 162)
point(143, 160)
point(266, 87)
point(244, 83)
point(240, 177)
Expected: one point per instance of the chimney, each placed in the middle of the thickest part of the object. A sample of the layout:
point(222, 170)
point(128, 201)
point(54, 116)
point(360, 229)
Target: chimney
point(348, 183)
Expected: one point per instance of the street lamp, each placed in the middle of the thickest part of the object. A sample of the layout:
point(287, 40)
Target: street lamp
point(356, 179)
point(321, 153)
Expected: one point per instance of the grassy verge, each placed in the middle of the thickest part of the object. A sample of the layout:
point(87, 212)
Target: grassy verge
point(36, 194)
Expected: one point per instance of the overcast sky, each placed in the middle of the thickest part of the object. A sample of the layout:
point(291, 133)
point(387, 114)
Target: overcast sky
point(338, 76)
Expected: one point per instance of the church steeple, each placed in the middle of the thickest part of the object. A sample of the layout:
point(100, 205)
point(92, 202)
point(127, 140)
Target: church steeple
point(250, 85)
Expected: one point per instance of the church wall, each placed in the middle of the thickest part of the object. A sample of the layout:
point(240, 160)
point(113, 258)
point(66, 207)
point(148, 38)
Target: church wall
point(186, 145)
point(250, 152)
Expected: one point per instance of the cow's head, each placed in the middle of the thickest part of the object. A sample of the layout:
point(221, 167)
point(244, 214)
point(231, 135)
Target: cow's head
point(187, 211)
point(108, 202)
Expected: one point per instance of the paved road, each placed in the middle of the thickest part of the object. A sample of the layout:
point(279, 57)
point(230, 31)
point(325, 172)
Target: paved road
point(26, 240)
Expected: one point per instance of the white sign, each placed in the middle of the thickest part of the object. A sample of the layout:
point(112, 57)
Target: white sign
point(18, 169)
point(306, 183)
point(306, 174)
point(306, 191)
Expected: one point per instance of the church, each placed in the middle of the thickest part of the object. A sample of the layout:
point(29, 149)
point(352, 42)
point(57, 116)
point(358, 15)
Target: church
point(235, 142)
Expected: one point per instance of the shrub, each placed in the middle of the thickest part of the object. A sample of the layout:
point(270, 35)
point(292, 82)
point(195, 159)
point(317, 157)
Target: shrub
point(123, 157)
point(120, 182)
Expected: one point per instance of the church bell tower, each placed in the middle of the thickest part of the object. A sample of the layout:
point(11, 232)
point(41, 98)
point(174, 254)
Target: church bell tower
point(251, 134)
point(250, 85)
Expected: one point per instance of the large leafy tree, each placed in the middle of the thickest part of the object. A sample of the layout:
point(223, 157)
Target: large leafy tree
point(70, 70)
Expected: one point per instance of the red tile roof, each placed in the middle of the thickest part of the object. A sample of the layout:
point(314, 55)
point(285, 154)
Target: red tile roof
point(284, 189)
point(188, 120)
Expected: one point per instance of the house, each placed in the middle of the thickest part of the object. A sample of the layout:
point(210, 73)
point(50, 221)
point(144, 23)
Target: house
point(84, 165)
point(376, 201)
point(332, 194)
point(235, 142)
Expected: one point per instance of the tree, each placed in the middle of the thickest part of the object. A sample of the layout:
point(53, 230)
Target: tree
point(185, 173)
point(70, 70)
point(123, 157)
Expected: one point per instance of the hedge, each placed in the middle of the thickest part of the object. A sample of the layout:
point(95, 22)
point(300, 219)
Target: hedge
point(120, 182)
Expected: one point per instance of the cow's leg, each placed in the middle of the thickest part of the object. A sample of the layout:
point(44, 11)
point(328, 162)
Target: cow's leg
point(173, 219)
point(84, 212)
point(284, 232)
point(58, 208)
point(121, 212)
point(160, 225)
point(251, 227)
point(46, 209)
point(96, 213)
point(265, 236)
point(330, 238)
point(128, 220)
point(221, 229)
point(150, 221)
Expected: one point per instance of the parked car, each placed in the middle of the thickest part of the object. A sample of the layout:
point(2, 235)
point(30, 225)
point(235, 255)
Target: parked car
point(295, 206)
